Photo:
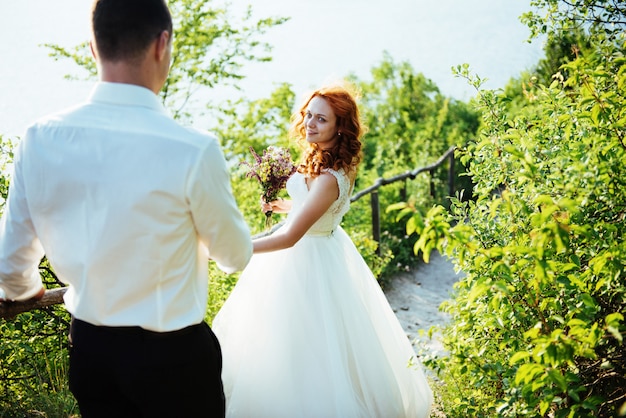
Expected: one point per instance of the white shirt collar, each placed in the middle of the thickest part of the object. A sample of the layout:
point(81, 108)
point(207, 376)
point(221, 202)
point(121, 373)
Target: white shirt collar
point(126, 95)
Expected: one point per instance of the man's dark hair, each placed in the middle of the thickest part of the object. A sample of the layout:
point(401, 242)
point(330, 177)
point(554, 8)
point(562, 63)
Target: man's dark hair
point(123, 29)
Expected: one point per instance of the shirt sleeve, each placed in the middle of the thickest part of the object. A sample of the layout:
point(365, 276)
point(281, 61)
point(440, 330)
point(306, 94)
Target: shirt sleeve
point(20, 249)
point(219, 223)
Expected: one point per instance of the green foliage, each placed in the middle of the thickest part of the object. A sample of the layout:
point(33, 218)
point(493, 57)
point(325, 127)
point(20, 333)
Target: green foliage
point(211, 46)
point(411, 124)
point(33, 349)
point(220, 286)
point(367, 247)
point(561, 50)
point(257, 124)
point(604, 19)
point(210, 50)
point(33, 376)
point(6, 156)
point(538, 321)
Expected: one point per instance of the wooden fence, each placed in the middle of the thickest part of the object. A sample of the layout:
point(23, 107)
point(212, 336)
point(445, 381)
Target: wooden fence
point(373, 189)
point(55, 296)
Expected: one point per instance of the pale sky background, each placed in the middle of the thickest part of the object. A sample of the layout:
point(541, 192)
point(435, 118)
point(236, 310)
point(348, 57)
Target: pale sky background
point(324, 40)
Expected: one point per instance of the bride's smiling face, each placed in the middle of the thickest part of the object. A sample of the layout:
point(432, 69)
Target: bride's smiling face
point(320, 123)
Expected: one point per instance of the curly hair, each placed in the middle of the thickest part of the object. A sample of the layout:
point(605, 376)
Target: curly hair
point(346, 153)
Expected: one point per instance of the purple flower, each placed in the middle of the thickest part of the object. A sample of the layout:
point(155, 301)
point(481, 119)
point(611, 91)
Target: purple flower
point(272, 170)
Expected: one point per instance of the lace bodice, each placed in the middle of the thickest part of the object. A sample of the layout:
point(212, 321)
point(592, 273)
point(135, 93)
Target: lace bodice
point(298, 190)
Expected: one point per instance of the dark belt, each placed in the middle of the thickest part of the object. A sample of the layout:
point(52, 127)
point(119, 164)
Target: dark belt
point(135, 331)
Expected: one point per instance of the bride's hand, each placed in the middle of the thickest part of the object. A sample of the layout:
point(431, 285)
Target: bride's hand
point(266, 207)
point(276, 206)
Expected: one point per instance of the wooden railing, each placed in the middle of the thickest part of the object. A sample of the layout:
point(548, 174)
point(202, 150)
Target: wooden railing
point(51, 297)
point(55, 296)
point(373, 189)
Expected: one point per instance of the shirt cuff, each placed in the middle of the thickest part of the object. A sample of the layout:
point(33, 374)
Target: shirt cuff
point(28, 295)
point(24, 292)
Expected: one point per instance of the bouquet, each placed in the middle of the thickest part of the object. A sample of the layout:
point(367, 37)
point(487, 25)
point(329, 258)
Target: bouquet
point(272, 169)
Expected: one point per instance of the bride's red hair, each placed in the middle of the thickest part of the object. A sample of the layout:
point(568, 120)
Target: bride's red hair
point(346, 153)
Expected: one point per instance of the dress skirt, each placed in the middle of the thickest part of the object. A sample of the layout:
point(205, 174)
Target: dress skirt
point(307, 332)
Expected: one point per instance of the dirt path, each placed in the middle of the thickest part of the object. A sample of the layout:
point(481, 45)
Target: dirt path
point(415, 298)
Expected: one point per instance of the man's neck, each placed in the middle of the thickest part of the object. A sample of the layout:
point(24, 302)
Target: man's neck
point(123, 72)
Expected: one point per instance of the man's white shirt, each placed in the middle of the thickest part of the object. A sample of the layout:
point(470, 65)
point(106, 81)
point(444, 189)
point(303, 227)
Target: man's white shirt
point(127, 205)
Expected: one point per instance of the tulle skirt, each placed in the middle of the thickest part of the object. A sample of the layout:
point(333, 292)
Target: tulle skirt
point(307, 332)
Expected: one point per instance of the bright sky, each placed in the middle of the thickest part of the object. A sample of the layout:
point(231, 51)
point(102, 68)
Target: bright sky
point(324, 40)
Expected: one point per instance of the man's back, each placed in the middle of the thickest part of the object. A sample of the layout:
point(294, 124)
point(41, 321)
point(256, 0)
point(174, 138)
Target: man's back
point(121, 198)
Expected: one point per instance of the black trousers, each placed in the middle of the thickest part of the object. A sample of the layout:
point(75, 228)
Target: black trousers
point(130, 372)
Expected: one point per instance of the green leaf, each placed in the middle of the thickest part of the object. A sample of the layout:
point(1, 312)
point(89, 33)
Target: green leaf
point(588, 300)
point(615, 332)
point(518, 357)
point(614, 319)
point(558, 379)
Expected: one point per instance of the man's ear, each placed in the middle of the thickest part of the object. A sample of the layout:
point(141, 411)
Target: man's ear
point(93, 49)
point(162, 45)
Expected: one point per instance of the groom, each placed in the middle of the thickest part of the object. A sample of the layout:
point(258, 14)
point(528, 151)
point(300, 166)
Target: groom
point(127, 205)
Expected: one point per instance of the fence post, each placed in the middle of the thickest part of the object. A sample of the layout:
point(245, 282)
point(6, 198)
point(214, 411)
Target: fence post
point(451, 174)
point(403, 196)
point(375, 219)
point(432, 182)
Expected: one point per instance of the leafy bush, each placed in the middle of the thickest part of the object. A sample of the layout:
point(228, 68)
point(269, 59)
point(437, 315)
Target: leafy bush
point(411, 124)
point(538, 321)
point(33, 349)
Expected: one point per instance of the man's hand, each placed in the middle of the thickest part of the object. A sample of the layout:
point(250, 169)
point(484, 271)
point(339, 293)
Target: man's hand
point(38, 296)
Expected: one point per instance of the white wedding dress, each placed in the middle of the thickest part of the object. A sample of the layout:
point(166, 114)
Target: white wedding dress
point(307, 332)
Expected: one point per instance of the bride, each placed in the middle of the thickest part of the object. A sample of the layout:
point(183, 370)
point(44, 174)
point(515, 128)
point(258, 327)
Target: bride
point(307, 331)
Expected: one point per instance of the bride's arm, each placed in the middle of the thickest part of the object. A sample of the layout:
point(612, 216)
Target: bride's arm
point(322, 193)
